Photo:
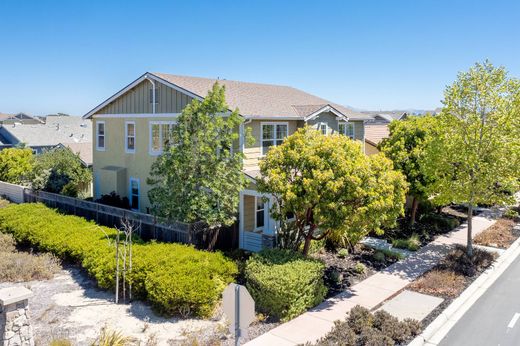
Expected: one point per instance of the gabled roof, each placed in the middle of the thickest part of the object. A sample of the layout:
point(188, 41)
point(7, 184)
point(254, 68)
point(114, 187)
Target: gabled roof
point(254, 100)
point(83, 149)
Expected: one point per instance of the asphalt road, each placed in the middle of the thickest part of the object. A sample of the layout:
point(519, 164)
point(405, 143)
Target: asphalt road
point(494, 319)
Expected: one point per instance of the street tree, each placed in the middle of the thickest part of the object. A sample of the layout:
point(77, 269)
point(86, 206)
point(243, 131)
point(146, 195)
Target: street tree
point(405, 147)
point(199, 176)
point(473, 159)
point(331, 187)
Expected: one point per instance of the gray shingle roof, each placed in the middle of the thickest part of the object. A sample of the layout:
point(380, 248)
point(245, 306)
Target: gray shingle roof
point(56, 130)
point(260, 100)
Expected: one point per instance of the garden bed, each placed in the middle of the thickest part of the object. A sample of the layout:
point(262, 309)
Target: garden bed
point(501, 235)
point(451, 277)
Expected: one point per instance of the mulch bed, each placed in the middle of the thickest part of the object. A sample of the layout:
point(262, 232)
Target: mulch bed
point(460, 268)
point(340, 273)
point(500, 235)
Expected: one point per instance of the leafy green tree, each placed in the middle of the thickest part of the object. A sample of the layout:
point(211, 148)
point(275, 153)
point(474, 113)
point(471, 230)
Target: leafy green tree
point(333, 189)
point(199, 177)
point(16, 165)
point(405, 147)
point(474, 157)
point(60, 171)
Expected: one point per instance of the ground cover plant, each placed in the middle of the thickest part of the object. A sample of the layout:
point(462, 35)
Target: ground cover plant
point(174, 278)
point(284, 283)
point(363, 328)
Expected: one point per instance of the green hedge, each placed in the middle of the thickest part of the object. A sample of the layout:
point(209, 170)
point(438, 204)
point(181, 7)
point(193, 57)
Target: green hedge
point(175, 278)
point(284, 283)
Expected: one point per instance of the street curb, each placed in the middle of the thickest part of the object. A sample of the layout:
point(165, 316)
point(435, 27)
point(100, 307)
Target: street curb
point(439, 328)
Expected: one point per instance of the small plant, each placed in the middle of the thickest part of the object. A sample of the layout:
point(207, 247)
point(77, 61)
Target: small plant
point(379, 256)
point(336, 276)
point(511, 214)
point(359, 318)
point(342, 253)
point(392, 254)
point(360, 268)
point(109, 337)
point(413, 243)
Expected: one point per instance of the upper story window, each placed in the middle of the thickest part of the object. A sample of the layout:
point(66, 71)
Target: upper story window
point(347, 129)
point(323, 128)
point(100, 135)
point(130, 137)
point(156, 95)
point(160, 136)
point(273, 134)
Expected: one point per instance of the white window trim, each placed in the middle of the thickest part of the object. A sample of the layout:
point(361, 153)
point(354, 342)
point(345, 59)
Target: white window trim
point(256, 203)
point(262, 133)
point(353, 128)
point(150, 139)
point(326, 128)
point(132, 179)
point(103, 148)
point(127, 150)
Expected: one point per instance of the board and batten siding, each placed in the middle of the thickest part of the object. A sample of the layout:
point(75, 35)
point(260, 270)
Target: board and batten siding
point(137, 100)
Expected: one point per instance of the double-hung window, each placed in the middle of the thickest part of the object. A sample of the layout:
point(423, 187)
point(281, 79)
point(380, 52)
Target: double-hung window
point(100, 135)
point(130, 137)
point(323, 128)
point(160, 136)
point(273, 134)
point(259, 215)
point(347, 129)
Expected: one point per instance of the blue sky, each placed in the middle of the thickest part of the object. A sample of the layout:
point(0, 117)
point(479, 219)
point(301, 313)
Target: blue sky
point(68, 56)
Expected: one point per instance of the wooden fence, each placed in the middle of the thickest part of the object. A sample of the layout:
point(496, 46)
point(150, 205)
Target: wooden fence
point(150, 227)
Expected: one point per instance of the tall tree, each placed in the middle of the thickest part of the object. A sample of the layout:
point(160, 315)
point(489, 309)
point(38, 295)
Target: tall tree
point(405, 147)
point(199, 176)
point(16, 165)
point(333, 189)
point(474, 157)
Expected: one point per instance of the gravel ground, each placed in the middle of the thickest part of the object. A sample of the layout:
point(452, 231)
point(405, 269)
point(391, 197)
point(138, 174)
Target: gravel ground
point(70, 306)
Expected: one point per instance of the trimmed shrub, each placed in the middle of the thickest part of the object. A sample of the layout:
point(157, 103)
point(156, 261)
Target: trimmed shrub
point(175, 278)
point(284, 283)
point(359, 318)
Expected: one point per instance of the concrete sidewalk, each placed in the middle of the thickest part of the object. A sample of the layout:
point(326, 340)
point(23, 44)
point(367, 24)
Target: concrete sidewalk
point(370, 292)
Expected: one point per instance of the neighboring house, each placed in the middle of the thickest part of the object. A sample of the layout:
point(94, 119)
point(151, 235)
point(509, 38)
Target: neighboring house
point(41, 136)
point(131, 128)
point(83, 149)
point(20, 118)
point(377, 129)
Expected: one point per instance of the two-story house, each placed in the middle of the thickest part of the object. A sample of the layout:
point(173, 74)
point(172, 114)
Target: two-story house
point(131, 128)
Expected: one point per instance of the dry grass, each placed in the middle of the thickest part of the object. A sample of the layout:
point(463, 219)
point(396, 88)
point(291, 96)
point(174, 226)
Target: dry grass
point(22, 266)
point(499, 235)
point(451, 276)
point(437, 282)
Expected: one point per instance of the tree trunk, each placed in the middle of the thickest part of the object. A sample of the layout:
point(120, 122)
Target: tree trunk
point(307, 244)
point(415, 205)
point(469, 248)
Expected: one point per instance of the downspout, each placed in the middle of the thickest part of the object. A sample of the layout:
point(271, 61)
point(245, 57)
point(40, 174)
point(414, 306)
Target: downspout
point(153, 93)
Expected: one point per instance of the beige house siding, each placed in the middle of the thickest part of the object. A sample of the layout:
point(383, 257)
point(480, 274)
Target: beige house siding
point(137, 100)
point(376, 132)
point(134, 165)
point(253, 153)
point(249, 213)
point(370, 149)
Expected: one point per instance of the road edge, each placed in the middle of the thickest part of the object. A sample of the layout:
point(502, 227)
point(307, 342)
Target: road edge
point(437, 330)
